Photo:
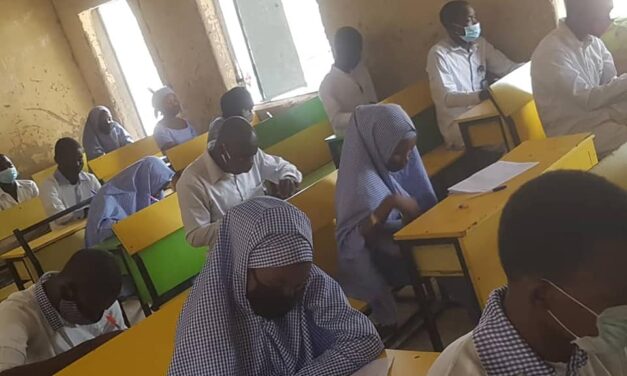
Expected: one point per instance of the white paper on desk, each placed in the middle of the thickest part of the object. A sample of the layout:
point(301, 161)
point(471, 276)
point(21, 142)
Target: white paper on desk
point(380, 367)
point(491, 177)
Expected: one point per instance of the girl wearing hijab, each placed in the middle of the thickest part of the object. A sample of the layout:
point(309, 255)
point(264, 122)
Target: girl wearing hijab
point(132, 190)
point(102, 134)
point(260, 307)
point(382, 185)
point(171, 130)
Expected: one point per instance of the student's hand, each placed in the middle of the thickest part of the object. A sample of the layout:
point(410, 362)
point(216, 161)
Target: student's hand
point(287, 188)
point(407, 206)
point(484, 95)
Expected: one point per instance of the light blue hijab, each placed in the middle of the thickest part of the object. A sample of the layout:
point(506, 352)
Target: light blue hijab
point(97, 143)
point(130, 191)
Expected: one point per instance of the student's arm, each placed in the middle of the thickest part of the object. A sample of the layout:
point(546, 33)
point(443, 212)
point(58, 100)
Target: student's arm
point(51, 198)
point(275, 168)
point(497, 62)
point(355, 341)
point(200, 230)
point(125, 137)
point(339, 120)
point(162, 138)
point(442, 81)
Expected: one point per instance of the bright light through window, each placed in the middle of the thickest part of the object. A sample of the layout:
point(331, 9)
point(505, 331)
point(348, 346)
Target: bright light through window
point(134, 58)
point(620, 9)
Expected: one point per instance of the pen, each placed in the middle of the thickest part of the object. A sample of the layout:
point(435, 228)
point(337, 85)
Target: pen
point(494, 190)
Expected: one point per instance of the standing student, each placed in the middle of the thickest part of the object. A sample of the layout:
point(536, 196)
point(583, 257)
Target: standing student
point(172, 129)
point(102, 134)
point(62, 317)
point(260, 307)
point(564, 309)
point(132, 190)
point(69, 185)
point(459, 68)
point(235, 102)
point(574, 78)
point(382, 185)
point(13, 191)
point(348, 85)
point(232, 171)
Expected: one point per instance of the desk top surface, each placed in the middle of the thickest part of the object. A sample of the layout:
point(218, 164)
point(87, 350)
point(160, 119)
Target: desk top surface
point(484, 110)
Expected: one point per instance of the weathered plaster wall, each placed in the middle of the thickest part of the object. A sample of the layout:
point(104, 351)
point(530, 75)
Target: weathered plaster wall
point(43, 95)
point(399, 33)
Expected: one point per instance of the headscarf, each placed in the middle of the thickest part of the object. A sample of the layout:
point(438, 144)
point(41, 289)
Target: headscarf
point(364, 180)
point(218, 332)
point(130, 191)
point(97, 143)
point(158, 97)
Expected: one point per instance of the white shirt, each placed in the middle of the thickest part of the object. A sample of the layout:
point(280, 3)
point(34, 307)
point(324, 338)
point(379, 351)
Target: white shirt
point(461, 359)
point(457, 76)
point(58, 194)
point(26, 190)
point(206, 193)
point(576, 89)
point(342, 92)
point(33, 331)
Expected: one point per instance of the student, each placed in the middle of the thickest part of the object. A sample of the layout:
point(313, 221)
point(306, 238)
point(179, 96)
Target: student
point(102, 134)
point(382, 185)
point(171, 130)
point(235, 102)
point(69, 185)
point(564, 310)
point(574, 78)
point(62, 317)
point(232, 171)
point(132, 190)
point(459, 67)
point(13, 191)
point(348, 85)
point(260, 307)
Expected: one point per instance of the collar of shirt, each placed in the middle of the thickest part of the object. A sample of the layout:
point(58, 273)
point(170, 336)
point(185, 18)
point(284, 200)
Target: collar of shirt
point(504, 352)
point(62, 180)
point(450, 44)
point(52, 316)
point(571, 38)
point(214, 172)
point(5, 196)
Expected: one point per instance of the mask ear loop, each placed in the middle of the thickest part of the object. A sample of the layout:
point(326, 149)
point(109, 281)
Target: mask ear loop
point(571, 297)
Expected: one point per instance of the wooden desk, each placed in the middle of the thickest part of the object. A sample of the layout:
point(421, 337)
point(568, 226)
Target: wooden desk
point(146, 349)
point(482, 126)
point(450, 241)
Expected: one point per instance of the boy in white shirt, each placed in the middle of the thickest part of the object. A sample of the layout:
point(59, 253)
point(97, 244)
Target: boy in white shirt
point(12, 191)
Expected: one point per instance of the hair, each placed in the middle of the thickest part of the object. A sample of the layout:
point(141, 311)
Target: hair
point(555, 225)
point(95, 271)
point(65, 145)
point(235, 131)
point(347, 36)
point(451, 10)
point(234, 101)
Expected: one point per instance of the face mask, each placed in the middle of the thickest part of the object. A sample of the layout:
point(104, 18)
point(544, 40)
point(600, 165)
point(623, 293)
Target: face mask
point(269, 304)
point(70, 313)
point(8, 176)
point(472, 33)
point(611, 325)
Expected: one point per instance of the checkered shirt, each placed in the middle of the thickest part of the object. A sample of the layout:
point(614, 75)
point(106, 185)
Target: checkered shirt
point(50, 314)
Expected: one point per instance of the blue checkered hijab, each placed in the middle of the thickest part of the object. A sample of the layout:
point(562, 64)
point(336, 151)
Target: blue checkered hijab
point(218, 332)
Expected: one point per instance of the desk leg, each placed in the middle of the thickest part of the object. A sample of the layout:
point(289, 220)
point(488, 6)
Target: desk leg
point(421, 298)
point(16, 276)
point(474, 306)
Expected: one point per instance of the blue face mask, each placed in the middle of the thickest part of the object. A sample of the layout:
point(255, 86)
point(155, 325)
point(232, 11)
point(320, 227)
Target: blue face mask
point(472, 33)
point(8, 176)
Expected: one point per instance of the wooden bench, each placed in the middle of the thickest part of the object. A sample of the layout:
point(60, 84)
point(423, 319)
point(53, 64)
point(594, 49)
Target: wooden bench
point(111, 164)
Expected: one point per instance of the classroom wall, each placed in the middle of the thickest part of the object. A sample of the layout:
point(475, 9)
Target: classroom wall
point(398, 34)
point(43, 95)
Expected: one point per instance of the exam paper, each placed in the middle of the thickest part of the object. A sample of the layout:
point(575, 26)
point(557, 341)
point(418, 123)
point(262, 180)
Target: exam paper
point(491, 177)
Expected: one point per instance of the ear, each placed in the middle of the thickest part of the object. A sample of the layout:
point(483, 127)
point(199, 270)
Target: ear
point(68, 292)
point(540, 293)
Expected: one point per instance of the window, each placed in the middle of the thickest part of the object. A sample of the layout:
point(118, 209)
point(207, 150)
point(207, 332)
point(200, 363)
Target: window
point(279, 46)
point(620, 9)
point(133, 57)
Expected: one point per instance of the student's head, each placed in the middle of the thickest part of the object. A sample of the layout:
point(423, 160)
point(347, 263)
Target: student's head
point(565, 231)
point(89, 283)
point(236, 146)
point(590, 17)
point(8, 172)
point(237, 102)
point(166, 102)
point(68, 154)
point(460, 21)
point(347, 48)
point(100, 116)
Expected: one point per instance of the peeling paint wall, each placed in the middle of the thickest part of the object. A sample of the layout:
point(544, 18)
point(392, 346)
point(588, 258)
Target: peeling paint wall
point(399, 33)
point(43, 96)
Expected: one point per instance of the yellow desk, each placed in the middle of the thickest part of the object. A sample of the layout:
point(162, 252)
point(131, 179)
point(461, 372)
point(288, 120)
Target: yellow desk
point(482, 126)
point(458, 238)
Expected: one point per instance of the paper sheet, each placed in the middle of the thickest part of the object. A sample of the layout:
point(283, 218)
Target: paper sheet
point(491, 177)
point(379, 367)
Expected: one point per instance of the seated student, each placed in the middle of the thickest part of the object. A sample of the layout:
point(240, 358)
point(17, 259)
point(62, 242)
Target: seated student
point(171, 130)
point(132, 190)
point(62, 317)
point(382, 185)
point(459, 67)
point(69, 185)
point(260, 307)
point(235, 102)
point(232, 171)
point(348, 85)
point(13, 191)
point(102, 134)
point(564, 310)
point(574, 78)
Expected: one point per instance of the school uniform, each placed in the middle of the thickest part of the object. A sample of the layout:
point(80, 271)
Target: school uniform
point(168, 137)
point(58, 194)
point(577, 89)
point(26, 190)
point(457, 76)
point(97, 143)
point(33, 331)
